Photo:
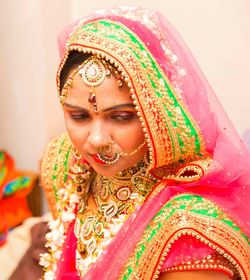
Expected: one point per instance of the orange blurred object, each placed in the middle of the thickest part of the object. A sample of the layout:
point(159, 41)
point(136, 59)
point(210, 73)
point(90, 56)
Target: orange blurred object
point(15, 186)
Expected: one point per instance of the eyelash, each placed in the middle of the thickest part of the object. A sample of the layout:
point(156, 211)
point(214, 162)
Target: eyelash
point(118, 117)
point(124, 117)
point(78, 117)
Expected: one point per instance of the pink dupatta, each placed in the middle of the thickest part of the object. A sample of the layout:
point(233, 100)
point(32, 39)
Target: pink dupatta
point(228, 185)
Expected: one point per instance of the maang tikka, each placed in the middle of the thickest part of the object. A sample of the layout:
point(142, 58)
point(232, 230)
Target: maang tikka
point(93, 73)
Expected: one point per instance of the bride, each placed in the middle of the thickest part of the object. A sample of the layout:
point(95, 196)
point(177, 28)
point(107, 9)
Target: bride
point(150, 181)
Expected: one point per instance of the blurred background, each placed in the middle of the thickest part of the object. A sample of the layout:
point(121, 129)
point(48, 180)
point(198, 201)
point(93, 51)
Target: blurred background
point(216, 31)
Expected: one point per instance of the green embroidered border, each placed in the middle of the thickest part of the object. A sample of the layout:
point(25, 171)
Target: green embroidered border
point(186, 203)
point(60, 169)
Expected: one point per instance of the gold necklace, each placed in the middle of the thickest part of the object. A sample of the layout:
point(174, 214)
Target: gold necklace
point(109, 204)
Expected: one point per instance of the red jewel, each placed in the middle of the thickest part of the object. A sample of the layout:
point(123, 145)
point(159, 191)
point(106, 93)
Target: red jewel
point(79, 188)
point(92, 98)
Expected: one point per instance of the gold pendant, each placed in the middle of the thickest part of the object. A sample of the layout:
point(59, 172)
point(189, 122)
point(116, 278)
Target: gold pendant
point(110, 210)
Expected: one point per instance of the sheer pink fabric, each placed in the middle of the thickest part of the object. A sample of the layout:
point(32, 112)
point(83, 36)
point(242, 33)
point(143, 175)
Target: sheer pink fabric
point(186, 248)
point(66, 269)
point(228, 184)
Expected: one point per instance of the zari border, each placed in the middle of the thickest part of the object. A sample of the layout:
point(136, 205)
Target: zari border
point(215, 230)
point(54, 168)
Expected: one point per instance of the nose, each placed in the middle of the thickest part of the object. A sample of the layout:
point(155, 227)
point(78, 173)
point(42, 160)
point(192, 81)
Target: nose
point(98, 135)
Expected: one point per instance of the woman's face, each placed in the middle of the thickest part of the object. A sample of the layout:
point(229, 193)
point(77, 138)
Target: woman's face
point(116, 119)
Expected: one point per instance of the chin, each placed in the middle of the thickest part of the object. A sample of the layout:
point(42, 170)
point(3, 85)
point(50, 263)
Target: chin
point(108, 171)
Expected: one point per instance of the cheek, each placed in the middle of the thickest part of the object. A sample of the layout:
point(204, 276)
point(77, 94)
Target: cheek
point(139, 134)
point(132, 136)
point(76, 133)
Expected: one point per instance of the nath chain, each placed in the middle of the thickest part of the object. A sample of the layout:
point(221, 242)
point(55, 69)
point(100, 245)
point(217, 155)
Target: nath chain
point(135, 151)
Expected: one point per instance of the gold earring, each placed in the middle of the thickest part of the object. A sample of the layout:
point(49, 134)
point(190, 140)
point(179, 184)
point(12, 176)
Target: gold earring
point(76, 154)
point(77, 166)
point(79, 172)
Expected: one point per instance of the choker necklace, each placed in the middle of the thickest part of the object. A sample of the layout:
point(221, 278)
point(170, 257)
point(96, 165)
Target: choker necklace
point(129, 184)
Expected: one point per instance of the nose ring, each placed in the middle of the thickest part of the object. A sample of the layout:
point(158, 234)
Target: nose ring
point(107, 153)
point(108, 148)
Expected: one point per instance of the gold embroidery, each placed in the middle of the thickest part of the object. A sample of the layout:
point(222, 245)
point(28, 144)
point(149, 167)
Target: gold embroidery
point(190, 172)
point(212, 232)
point(211, 262)
point(53, 170)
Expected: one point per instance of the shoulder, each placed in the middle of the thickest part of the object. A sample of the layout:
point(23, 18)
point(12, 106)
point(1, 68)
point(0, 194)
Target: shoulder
point(187, 217)
point(54, 168)
point(190, 214)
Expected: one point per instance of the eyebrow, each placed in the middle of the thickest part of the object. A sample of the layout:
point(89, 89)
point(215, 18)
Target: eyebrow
point(105, 110)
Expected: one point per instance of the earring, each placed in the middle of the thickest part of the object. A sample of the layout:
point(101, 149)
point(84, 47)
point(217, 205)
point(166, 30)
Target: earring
point(80, 173)
point(77, 155)
point(77, 167)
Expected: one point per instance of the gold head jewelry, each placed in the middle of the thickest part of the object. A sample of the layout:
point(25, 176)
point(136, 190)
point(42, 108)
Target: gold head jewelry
point(93, 72)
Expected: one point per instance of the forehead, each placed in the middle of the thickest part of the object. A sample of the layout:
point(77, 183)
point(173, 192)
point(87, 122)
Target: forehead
point(107, 93)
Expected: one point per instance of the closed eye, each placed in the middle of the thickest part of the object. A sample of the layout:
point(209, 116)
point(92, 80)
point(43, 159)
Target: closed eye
point(79, 116)
point(124, 116)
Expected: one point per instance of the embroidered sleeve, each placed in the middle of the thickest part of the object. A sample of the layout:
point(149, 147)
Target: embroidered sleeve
point(191, 217)
point(214, 262)
point(54, 169)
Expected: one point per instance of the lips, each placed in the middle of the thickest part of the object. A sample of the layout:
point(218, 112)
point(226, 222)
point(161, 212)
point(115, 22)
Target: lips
point(97, 159)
